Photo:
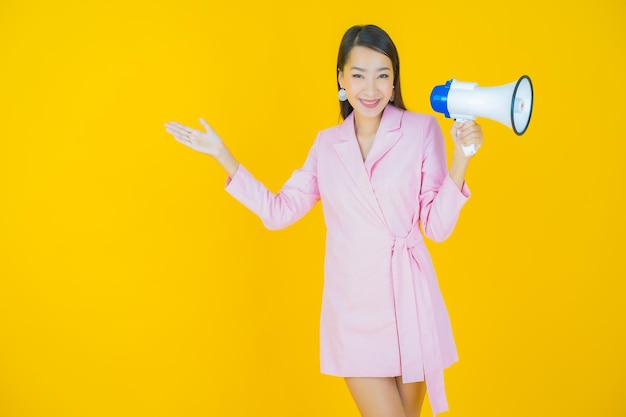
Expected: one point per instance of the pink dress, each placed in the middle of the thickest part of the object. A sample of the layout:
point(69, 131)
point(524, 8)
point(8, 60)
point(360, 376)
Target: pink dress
point(383, 314)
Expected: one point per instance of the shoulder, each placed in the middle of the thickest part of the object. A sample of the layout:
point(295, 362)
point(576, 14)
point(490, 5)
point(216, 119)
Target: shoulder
point(423, 127)
point(407, 121)
point(417, 121)
point(332, 131)
point(340, 132)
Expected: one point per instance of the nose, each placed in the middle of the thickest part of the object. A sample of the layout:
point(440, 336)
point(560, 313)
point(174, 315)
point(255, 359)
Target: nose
point(370, 88)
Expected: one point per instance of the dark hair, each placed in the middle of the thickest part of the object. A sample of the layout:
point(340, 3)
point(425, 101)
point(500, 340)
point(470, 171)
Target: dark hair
point(373, 37)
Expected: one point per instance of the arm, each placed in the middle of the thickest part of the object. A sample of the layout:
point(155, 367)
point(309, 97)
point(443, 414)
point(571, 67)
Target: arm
point(463, 134)
point(295, 199)
point(443, 193)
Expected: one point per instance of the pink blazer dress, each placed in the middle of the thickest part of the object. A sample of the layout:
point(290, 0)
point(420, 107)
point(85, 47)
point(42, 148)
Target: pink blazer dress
point(382, 314)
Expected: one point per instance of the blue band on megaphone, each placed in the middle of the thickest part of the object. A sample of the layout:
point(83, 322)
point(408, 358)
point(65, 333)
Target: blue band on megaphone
point(439, 98)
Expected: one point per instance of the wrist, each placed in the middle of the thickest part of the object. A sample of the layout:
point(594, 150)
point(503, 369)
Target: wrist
point(227, 161)
point(459, 156)
point(458, 168)
point(222, 153)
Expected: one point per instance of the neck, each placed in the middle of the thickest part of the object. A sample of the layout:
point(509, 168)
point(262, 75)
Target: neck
point(366, 126)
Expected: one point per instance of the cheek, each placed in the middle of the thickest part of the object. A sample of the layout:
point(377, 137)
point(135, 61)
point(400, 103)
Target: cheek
point(351, 84)
point(386, 86)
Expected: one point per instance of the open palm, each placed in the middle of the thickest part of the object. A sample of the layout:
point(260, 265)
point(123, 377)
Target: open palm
point(205, 142)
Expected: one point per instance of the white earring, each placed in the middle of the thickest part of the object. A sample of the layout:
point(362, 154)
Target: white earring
point(342, 95)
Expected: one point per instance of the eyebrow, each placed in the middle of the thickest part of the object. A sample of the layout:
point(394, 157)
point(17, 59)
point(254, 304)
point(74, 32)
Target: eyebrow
point(364, 70)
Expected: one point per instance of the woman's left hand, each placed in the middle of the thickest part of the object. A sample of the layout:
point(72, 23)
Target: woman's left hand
point(468, 133)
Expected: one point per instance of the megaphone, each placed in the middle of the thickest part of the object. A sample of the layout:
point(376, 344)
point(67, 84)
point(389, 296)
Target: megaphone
point(510, 104)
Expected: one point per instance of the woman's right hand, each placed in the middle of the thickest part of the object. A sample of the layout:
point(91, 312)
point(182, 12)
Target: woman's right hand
point(208, 142)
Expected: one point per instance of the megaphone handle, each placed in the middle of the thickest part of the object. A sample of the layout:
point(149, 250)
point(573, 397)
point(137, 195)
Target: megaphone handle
point(468, 150)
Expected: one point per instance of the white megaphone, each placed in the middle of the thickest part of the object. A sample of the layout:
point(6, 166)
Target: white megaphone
point(510, 104)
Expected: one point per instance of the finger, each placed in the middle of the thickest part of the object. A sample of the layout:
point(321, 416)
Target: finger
point(205, 124)
point(470, 132)
point(457, 125)
point(183, 140)
point(174, 127)
point(179, 127)
point(473, 140)
point(470, 137)
point(179, 135)
point(472, 129)
point(178, 130)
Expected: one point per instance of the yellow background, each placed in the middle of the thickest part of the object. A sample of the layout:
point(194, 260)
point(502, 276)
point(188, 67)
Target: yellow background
point(133, 285)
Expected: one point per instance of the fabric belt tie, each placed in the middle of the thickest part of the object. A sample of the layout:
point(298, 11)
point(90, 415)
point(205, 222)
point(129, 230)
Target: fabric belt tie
point(420, 354)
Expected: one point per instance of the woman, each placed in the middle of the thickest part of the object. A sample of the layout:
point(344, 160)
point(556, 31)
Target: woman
point(380, 174)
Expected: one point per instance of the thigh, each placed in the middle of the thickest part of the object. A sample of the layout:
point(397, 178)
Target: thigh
point(412, 396)
point(376, 397)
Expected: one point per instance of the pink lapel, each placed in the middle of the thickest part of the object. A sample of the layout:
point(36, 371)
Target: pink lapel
point(347, 148)
point(387, 136)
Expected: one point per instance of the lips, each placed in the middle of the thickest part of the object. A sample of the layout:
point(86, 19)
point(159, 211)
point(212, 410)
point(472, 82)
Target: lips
point(370, 104)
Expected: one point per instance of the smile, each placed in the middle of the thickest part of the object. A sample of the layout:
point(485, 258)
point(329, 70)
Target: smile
point(370, 104)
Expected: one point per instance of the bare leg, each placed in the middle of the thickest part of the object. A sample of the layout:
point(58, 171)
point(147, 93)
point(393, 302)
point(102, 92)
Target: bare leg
point(376, 397)
point(412, 396)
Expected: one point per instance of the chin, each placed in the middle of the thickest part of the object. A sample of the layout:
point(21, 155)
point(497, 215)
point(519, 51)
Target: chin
point(370, 113)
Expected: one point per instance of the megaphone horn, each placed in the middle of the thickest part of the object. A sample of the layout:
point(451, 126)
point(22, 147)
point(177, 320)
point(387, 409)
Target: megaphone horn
point(510, 104)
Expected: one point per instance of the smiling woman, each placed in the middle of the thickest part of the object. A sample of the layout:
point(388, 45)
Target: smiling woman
point(379, 175)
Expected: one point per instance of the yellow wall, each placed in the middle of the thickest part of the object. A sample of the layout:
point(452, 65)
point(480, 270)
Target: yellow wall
point(133, 285)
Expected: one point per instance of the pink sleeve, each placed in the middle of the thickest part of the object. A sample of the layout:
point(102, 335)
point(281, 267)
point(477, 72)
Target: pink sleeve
point(297, 196)
point(440, 199)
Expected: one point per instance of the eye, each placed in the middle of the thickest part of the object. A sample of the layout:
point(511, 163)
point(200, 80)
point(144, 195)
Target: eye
point(384, 76)
point(357, 76)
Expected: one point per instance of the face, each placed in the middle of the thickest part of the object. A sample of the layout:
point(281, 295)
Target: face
point(367, 78)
